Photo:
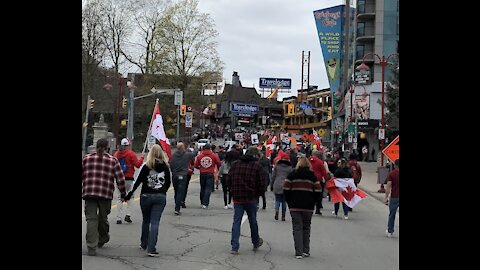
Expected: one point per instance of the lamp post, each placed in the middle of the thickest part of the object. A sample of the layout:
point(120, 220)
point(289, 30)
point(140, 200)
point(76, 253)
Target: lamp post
point(383, 63)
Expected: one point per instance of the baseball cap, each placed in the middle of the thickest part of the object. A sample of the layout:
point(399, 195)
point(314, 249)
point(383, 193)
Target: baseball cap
point(125, 142)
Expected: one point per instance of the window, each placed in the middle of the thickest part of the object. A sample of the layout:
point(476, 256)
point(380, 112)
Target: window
point(361, 6)
point(360, 52)
point(360, 29)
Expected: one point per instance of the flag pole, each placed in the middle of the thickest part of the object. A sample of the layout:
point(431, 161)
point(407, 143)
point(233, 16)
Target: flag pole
point(150, 126)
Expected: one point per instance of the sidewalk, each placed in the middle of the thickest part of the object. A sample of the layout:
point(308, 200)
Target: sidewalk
point(369, 180)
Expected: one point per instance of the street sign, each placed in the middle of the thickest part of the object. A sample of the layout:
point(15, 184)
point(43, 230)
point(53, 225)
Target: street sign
point(178, 98)
point(321, 132)
point(392, 151)
point(381, 134)
point(188, 119)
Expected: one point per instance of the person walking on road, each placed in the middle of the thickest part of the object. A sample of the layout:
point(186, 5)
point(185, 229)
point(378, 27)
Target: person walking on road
point(393, 189)
point(179, 166)
point(154, 176)
point(230, 157)
point(98, 173)
point(342, 172)
point(267, 170)
point(318, 167)
point(207, 161)
point(279, 174)
point(128, 161)
point(302, 189)
point(247, 182)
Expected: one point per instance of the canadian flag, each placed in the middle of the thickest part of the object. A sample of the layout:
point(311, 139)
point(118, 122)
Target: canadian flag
point(344, 190)
point(317, 140)
point(159, 132)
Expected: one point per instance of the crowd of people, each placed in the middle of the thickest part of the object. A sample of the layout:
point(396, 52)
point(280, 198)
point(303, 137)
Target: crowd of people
point(296, 177)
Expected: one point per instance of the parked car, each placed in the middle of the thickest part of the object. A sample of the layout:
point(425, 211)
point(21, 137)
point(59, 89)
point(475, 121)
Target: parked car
point(201, 143)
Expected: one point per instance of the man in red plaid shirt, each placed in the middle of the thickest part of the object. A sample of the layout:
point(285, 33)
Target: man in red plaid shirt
point(247, 182)
point(98, 173)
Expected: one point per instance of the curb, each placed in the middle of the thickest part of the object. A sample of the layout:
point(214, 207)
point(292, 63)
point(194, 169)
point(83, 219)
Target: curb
point(370, 193)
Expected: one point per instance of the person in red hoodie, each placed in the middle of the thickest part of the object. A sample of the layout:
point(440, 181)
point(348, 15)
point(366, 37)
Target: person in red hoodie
point(320, 172)
point(206, 162)
point(128, 161)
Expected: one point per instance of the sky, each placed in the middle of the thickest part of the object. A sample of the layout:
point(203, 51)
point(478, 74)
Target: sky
point(265, 38)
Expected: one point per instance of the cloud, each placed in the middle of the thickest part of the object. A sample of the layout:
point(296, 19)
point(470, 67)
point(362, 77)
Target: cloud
point(266, 39)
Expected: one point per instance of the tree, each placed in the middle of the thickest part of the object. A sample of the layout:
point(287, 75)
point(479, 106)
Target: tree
point(189, 39)
point(116, 29)
point(392, 104)
point(93, 47)
point(148, 16)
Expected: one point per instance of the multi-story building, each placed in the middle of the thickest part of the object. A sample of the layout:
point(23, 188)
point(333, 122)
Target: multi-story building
point(377, 32)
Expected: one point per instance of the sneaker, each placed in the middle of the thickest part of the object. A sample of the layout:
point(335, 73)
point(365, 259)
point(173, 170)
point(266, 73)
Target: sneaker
point(127, 219)
point(143, 248)
point(298, 256)
point(92, 252)
point(305, 254)
point(183, 205)
point(389, 234)
point(177, 213)
point(234, 252)
point(333, 213)
point(230, 206)
point(225, 207)
point(119, 221)
point(345, 217)
point(153, 254)
point(204, 206)
point(259, 244)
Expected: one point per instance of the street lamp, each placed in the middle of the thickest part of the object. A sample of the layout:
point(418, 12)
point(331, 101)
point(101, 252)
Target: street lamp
point(383, 63)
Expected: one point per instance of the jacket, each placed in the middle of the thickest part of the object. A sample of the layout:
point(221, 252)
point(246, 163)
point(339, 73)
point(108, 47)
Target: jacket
point(246, 180)
point(206, 162)
point(318, 168)
point(131, 160)
point(181, 162)
point(302, 190)
point(156, 180)
point(280, 173)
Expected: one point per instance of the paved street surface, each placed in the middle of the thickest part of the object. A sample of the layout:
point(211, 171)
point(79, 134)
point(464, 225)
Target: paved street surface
point(200, 239)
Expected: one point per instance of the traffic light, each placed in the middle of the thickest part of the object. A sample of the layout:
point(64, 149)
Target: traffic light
point(124, 102)
point(91, 104)
point(183, 109)
point(291, 109)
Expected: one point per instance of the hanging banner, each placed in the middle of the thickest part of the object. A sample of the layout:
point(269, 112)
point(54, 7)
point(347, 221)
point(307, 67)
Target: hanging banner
point(362, 107)
point(329, 24)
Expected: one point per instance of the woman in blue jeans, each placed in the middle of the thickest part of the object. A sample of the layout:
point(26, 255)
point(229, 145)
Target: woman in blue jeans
point(154, 176)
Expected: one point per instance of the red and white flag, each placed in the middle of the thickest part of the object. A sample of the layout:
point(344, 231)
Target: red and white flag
point(344, 190)
point(318, 141)
point(159, 132)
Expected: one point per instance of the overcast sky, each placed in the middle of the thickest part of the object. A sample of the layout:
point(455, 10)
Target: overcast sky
point(265, 38)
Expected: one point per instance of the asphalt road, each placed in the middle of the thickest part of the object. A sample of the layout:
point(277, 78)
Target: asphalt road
point(200, 239)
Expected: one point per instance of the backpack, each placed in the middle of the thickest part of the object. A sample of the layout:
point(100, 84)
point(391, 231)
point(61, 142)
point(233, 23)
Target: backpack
point(357, 173)
point(123, 164)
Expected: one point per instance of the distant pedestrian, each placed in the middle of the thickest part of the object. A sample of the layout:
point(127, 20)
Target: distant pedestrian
point(99, 170)
point(302, 189)
point(342, 172)
point(280, 172)
point(365, 153)
point(267, 170)
point(206, 162)
point(155, 178)
point(128, 161)
point(247, 183)
point(318, 167)
point(190, 172)
point(393, 189)
point(179, 166)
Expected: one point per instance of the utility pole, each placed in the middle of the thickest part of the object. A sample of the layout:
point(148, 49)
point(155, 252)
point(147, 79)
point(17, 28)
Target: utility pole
point(85, 126)
point(130, 117)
